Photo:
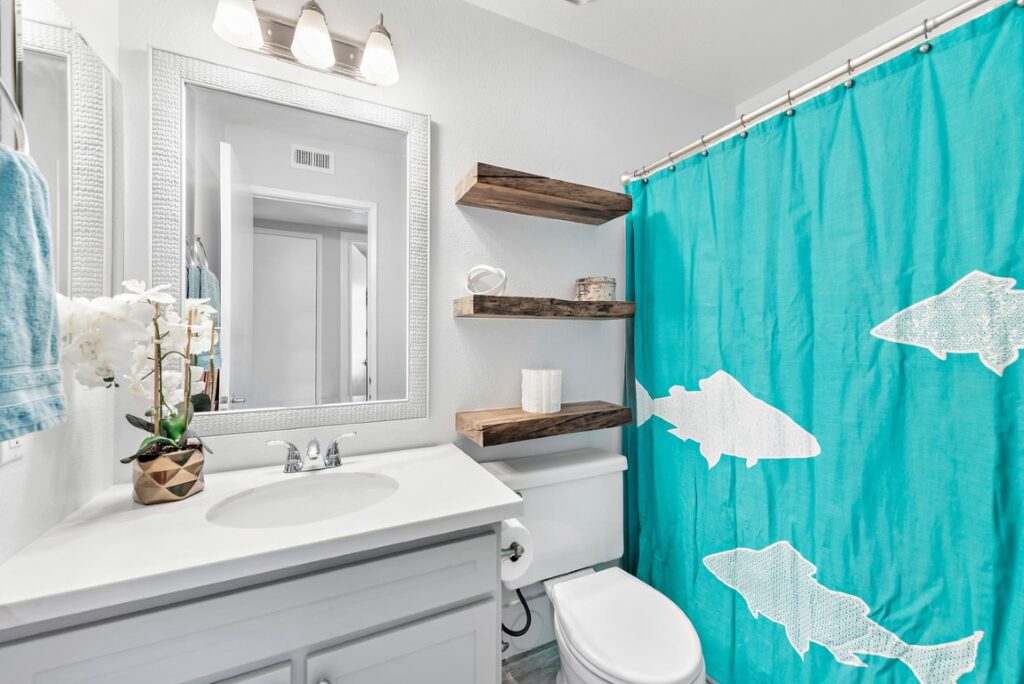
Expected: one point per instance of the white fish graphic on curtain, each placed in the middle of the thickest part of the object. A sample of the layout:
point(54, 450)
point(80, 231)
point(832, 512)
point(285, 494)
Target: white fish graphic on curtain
point(778, 582)
point(727, 419)
point(980, 314)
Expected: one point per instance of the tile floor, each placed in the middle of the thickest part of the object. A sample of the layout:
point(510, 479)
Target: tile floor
point(539, 666)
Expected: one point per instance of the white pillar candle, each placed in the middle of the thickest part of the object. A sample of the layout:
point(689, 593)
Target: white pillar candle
point(542, 390)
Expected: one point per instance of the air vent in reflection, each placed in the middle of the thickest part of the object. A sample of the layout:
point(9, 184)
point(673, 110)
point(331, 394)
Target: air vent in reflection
point(312, 159)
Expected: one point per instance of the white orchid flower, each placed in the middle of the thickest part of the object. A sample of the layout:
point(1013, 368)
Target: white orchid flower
point(156, 295)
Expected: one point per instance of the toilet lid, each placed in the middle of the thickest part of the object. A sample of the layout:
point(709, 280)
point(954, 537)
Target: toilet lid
point(627, 631)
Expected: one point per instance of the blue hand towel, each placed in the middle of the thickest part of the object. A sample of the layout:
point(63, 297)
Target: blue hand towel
point(202, 283)
point(31, 393)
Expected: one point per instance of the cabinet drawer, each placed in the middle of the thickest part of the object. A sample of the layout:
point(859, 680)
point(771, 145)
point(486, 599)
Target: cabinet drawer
point(234, 633)
point(276, 674)
point(460, 647)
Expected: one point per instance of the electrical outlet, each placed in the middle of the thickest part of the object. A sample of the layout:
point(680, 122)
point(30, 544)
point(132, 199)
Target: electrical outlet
point(12, 450)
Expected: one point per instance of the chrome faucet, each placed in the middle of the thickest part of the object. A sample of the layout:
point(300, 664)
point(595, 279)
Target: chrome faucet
point(294, 463)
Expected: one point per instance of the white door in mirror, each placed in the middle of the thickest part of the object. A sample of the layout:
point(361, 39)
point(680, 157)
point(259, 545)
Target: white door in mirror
point(12, 450)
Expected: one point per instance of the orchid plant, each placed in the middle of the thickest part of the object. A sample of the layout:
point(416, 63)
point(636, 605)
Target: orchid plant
point(137, 339)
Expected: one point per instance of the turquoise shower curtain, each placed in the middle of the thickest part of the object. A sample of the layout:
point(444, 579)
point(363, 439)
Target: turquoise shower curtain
point(827, 474)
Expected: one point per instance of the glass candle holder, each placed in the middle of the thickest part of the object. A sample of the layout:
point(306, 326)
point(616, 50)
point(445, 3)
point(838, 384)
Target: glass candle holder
point(542, 390)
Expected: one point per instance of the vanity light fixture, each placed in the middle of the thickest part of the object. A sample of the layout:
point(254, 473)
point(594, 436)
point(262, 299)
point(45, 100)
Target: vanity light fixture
point(311, 43)
point(236, 22)
point(308, 41)
point(379, 65)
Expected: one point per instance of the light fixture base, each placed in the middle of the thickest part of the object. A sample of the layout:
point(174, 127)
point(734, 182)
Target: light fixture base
point(277, 41)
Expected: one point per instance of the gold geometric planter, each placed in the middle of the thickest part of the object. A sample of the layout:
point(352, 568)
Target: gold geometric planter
point(169, 477)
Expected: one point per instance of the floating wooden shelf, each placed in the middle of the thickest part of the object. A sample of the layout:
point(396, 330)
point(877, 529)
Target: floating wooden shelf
point(493, 187)
point(490, 306)
point(502, 426)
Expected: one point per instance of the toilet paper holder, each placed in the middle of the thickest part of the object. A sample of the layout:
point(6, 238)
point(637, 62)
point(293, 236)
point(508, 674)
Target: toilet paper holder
point(514, 552)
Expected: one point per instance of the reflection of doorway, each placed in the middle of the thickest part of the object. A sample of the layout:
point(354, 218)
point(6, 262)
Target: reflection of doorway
point(287, 293)
point(300, 283)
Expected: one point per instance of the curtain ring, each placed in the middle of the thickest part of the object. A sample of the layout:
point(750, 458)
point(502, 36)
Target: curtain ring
point(705, 145)
point(643, 175)
point(789, 96)
point(744, 133)
point(671, 162)
point(850, 82)
point(925, 47)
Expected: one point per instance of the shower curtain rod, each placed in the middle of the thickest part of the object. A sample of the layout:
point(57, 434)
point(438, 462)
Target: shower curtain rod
point(791, 98)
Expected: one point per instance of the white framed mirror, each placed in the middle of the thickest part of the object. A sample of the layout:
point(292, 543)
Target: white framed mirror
point(303, 216)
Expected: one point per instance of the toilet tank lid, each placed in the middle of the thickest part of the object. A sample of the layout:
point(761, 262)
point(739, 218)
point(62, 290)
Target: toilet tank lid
point(548, 469)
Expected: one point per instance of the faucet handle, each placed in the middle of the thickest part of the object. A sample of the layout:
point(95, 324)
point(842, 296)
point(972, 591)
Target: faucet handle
point(293, 464)
point(333, 457)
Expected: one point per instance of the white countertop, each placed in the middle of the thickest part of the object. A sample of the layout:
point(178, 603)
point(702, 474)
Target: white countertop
point(113, 551)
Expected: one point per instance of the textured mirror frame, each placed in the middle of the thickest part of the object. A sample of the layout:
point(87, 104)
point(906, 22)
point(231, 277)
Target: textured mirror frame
point(91, 140)
point(171, 73)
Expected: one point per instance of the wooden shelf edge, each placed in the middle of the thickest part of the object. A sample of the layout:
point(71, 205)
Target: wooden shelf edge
point(491, 306)
point(490, 427)
point(492, 187)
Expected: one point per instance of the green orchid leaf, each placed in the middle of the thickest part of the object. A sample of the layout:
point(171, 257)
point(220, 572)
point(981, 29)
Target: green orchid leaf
point(191, 434)
point(140, 423)
point(174, 427)
point(145, 448)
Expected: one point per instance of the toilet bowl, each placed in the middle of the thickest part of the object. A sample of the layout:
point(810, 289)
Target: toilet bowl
point(612, 628)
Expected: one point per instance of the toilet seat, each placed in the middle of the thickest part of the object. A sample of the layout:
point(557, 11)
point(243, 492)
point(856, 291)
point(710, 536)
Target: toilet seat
point(625, 631)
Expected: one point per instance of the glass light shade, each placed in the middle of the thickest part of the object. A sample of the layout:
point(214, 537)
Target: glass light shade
point(312, 44)
point(236, 22)
point(379, 65)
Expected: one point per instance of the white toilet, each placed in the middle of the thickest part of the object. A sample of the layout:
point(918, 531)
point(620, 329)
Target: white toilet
point(610, 626)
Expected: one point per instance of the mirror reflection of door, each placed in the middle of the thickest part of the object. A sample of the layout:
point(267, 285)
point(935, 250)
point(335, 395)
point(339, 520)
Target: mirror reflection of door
point(302, 220)
point(296, 296)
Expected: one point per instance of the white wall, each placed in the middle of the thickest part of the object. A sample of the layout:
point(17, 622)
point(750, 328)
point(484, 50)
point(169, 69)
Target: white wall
point(64, 467)
point(499, 92)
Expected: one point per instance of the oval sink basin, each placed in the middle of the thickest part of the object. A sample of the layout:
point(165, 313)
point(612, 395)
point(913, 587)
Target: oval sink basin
point(306, 499)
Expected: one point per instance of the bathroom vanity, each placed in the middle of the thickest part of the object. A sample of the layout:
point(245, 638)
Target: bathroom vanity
point(253, 582)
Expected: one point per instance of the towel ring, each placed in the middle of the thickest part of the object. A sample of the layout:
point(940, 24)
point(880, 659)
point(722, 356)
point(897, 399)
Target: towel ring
point(205, 263)
point(21, 132)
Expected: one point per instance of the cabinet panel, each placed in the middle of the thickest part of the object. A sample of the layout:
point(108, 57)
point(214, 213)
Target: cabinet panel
point(276, 674)
point(200, 641)
point(460, 647)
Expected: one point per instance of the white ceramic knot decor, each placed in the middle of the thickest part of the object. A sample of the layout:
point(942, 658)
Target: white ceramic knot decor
point(542, 390)
point(486, 280)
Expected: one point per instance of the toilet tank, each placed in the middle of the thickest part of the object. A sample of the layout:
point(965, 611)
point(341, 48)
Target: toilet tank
point(572, 503)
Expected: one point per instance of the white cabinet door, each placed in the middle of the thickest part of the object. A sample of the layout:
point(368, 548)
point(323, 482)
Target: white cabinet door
point(460, 647)
point(275, 674)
